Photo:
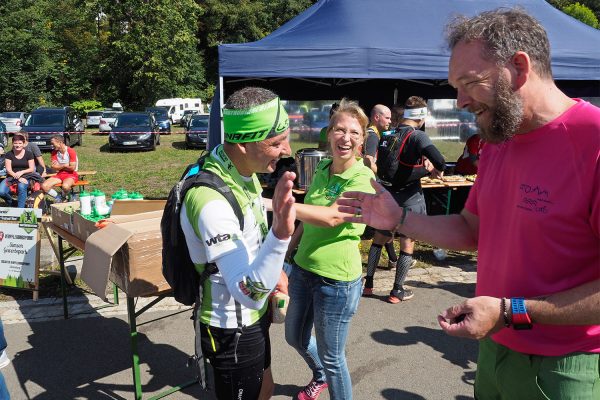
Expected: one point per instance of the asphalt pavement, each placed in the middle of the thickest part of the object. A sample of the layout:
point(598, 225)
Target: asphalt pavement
point(395, 351)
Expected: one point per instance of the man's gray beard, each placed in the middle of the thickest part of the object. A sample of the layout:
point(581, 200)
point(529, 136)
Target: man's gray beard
point(507, 114)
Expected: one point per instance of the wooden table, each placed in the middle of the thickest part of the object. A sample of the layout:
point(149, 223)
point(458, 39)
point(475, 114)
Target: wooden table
point(450, 186)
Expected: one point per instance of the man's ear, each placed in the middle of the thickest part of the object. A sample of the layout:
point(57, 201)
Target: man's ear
point(521, 68)
point(242, 147)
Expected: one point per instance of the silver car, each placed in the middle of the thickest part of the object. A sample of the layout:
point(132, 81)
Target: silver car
point(107, 118)
point(93, 118)
point(13, 120)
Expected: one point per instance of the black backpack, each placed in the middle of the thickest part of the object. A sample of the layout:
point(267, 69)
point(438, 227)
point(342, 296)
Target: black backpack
point(389, 151)
point(177, 266)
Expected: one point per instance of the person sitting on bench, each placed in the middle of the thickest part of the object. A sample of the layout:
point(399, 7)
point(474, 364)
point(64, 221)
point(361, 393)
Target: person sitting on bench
point(19, 165)
point(64, 161)
point(40, 165)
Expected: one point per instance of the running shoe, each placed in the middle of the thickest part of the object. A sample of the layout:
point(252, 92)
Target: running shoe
point(368, 291)
point(312, 390)
point(396, 296)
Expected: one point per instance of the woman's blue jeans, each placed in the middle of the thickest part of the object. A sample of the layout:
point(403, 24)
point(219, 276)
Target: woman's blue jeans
point(3, 389)
point(21, 193)
point(329, 305)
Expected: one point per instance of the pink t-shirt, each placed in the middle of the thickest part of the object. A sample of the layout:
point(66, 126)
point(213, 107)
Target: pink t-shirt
point(538, 201)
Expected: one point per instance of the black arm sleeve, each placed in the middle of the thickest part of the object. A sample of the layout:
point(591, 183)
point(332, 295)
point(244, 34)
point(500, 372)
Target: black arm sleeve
point(436, 158)
point(427, 148)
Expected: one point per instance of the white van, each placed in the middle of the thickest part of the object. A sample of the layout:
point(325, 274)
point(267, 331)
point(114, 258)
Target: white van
point(177, 105)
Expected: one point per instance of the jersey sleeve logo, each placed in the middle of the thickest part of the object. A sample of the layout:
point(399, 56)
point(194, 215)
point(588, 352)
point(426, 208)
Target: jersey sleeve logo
point(255, 290)
point(220, 238)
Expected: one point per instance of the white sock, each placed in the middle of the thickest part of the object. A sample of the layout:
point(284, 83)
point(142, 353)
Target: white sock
point(52, 193)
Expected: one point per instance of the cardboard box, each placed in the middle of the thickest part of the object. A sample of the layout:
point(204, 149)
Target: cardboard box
point(137, 265)
point(61, 218)
point(83, 228)
point(128, 207)
point(128, 252)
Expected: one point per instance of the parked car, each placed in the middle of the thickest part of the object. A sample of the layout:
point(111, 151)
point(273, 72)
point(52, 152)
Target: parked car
point(162, 118)
point(45, 122)
point(187, 114)
point(314, 121)
point(134, 130)
point(3, 135)
point(93, 118)
point(196, 134)
point(107, 119)
point(13, 120)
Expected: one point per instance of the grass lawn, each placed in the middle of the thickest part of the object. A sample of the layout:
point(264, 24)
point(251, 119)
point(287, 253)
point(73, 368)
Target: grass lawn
point(151, 173)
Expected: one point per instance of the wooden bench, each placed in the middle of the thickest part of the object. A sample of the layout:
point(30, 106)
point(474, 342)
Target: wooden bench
point(81, 183)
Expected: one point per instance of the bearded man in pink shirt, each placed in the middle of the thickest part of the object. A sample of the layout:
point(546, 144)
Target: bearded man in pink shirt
point(533, 215)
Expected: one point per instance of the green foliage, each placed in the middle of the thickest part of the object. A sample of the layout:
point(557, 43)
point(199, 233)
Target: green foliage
point(153, 51)
point(83, 106)
point(57, 52)
point(593, 5)
point(582, 13)
point(240, 21)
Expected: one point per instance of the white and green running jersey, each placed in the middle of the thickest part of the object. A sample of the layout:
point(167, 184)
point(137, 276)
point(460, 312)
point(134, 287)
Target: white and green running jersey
point(249, 262)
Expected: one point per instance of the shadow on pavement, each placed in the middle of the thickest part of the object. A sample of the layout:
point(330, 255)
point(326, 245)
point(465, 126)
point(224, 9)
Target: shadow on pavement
point(458, 351)
point(397, 394)
point(286, 390)
point(77, 358)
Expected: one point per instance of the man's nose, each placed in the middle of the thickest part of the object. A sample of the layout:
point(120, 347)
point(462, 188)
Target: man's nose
point(462, 99)
point(287, 149)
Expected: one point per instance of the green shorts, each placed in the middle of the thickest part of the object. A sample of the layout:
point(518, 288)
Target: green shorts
point(504, 374)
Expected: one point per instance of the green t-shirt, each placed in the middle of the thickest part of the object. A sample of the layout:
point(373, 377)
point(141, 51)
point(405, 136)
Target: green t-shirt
point(323, 136)
point(334, 252)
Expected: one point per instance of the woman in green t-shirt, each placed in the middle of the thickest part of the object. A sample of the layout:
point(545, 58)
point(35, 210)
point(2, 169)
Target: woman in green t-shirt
point(325, 282)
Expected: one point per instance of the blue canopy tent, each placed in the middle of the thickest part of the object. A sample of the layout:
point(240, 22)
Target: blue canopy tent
point(374, 50)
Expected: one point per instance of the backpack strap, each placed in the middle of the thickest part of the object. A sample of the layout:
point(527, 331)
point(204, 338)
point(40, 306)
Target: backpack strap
point(407, 131)
point(211, 180)
point(198, 358)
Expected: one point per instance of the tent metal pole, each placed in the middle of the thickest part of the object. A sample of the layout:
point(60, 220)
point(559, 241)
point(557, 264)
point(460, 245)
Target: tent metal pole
point(221, 105)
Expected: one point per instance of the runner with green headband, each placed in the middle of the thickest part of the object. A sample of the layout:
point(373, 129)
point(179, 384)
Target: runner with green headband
point(249, 260)
point(255, 123)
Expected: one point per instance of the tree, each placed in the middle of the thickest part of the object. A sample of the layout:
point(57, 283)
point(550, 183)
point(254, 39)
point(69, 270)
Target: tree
point(581, 13)
point(240, 21)
point(46, 53)
point(152, 51)
point(593, 5)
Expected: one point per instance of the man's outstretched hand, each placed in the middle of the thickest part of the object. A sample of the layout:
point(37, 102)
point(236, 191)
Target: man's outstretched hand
point(284, 214)
point(378, 209)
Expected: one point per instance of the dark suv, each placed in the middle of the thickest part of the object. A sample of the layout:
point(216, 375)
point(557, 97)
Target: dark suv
point(45, 122)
